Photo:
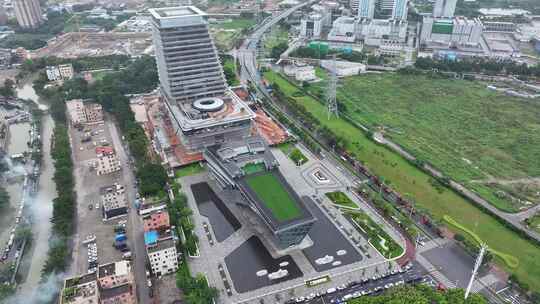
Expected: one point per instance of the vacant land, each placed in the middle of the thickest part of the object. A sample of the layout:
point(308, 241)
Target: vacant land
point(406, 178)
point(377, 237)
point(227, 33)
point(340, 198)
point(274, 196)
point(463, 129)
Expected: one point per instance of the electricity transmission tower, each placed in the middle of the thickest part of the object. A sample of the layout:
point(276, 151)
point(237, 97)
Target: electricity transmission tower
point(477, 264)
point(331, 103)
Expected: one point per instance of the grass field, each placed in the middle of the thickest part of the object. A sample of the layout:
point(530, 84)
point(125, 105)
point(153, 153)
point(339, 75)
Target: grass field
point(466, 131)
point(189, 170)
point(274, 196)
point(236, 24)
point(340, 198)
point(407, 179)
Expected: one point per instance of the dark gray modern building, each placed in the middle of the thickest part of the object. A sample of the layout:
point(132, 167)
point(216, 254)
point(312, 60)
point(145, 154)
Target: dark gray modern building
point(203, 109)
point(236, 164)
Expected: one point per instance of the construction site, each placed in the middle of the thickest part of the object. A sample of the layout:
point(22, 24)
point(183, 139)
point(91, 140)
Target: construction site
point(93, 44)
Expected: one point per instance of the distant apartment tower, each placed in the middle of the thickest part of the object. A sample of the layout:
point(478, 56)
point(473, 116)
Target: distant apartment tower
point(311, 26)
point(380, 9)
point(366, 8)
point(28, 13)
point(444, 8)
point(399, 10)
point(203, 110)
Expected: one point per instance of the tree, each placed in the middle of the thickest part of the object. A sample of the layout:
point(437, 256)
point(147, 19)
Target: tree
point(278, 50)
point(8, 89)
point(4, 198)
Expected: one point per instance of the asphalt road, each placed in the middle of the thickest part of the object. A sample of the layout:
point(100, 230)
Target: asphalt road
point(413, 274)
point(137, 236)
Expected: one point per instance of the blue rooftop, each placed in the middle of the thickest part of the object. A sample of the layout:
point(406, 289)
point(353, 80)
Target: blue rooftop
point(150, 237)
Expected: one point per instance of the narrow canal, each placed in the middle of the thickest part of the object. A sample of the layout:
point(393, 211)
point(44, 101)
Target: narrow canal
point(39, 209)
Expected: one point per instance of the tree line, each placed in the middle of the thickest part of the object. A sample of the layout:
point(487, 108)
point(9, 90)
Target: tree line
point(479, 65)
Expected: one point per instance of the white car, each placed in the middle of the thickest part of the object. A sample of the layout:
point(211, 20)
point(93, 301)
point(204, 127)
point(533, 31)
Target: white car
point(330, 290)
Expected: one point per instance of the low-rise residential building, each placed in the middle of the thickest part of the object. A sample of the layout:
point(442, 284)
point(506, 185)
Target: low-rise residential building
point(117, 283)
point(84, 113)
point(114, 201)
point(82, 289)
point(107, 161)
point(59, 72)
point(94, 113)
point(53, 73)
point(156, 221)
point(66, 71)
point(76, 112)
point(161, 251)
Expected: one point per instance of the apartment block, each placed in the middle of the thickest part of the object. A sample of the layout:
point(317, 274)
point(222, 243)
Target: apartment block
point(161, 251)
point(156, 221)
point(117, 283)
point(107, 161)
point(84, 113)
point(66, 71)
point(114, 201)
point(82, 289)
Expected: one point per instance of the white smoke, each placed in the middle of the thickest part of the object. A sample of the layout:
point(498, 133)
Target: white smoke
point(15, 169)
point(45, 293)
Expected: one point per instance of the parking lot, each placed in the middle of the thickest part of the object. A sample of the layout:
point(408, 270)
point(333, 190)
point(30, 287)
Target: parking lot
point(90, 224)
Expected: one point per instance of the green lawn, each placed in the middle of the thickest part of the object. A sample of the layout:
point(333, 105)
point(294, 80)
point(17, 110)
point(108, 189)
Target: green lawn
point(340, 198)
point(463, 129)
point(377, 237)
point(236, 24)
point(274, 196)
point(407, 179)
point(188, 170)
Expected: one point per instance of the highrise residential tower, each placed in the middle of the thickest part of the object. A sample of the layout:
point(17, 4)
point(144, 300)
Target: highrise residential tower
point(399, 10)
point(444, 8)
point(366, 9)
point(202, 108)
point(28, 13)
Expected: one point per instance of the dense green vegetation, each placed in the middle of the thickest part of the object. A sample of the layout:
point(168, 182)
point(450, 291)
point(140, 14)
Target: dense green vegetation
point(229, 70)
point(479, 65)
point(340, 198)
point(27, 41)
point(534, 222)
point(420, 294)
point(274, 196)
point(376, 235)
point(195, 289)
point(406, 178)
point(298, 157)
point(479, 133)
point(64, 204)
point(80, 64)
